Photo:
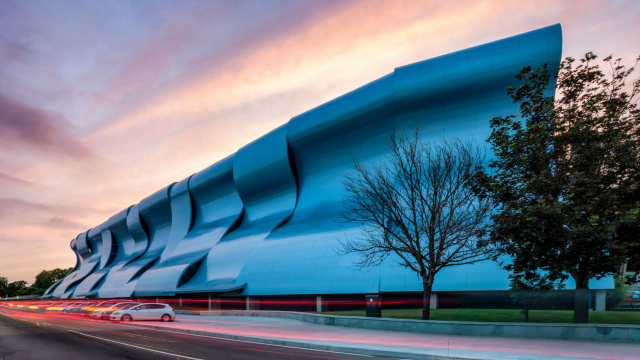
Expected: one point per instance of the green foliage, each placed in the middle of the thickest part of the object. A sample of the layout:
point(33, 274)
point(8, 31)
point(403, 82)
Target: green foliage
point(46, 278)
point(631, 279)
point(32, 290)
point(15, 288)
point(4, 282)
point(565, 174)
point(617, 296)
point(534, 292)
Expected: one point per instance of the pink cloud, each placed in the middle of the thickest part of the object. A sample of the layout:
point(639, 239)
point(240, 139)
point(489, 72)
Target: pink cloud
point(23, 126)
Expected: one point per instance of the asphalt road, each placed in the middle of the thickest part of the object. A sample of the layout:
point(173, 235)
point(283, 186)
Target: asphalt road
point(36, 335)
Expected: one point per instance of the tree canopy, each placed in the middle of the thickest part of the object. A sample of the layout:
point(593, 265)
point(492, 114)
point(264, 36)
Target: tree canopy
point(15, 288)
point(565, 176)
point(4, 282)
point(46, 278)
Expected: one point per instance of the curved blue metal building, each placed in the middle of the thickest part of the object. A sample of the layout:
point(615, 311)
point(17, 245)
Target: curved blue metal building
point(262, 221)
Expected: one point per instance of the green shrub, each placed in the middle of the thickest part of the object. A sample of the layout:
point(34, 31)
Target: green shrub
point(618, 295)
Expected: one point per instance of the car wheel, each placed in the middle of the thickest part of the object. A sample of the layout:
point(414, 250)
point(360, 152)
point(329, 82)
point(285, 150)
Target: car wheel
point(165, 318)
point(126, 318)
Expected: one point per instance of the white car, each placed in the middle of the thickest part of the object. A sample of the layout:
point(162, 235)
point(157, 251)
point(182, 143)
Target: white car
point(148, 311)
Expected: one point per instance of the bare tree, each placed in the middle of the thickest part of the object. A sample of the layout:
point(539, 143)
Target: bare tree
point(419, 206)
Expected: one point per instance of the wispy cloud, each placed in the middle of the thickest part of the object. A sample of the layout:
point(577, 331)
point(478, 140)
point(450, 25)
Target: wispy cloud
point(13, 51)
point(9, 205)
point(23, 127)
point(13, 181)
point(61, 223)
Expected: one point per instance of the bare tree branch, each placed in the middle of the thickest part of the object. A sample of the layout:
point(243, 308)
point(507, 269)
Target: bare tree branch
point(418, 205)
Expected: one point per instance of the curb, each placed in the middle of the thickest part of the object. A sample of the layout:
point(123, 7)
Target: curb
point(572, 332)
point(312, 346)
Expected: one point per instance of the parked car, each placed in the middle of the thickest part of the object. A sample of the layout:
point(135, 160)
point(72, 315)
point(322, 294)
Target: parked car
point(69, 307)
point(88, 310)
point(78, 308)
point(148, 311)
point(105, 313)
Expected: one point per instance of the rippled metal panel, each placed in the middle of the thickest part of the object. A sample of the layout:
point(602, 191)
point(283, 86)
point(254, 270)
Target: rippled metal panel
point(148, 225)
point(453, 94)
point(463, 91)
point(88, 264)
point(50, 291)
point(134, 239)
point(132, 242)
point(82, 255)
point(163, 277)
point(129, 246)
point(265, 183)
point(107, 250)
point(217, 207)
point(264, 220)
point(299, 257)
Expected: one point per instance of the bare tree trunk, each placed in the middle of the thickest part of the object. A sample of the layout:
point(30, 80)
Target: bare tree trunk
point(581, 304)
point(426, 298)
point(418, 206)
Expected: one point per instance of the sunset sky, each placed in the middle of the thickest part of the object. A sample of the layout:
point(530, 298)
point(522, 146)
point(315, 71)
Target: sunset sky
point(104, 102)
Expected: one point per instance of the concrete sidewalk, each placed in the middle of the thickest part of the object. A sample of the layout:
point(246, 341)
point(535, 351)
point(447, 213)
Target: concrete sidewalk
point(396, 344)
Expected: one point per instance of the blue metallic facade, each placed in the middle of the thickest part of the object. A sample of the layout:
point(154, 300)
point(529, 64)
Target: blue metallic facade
point(262, 221)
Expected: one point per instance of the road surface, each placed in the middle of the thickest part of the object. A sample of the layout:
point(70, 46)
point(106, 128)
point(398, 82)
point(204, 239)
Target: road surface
point(36, 335)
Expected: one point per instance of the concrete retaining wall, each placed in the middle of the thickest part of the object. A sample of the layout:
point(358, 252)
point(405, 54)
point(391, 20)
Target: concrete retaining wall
point(588, 332)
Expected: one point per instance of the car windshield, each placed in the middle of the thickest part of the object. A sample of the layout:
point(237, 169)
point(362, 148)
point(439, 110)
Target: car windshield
point(119, 305)
point(128, 306)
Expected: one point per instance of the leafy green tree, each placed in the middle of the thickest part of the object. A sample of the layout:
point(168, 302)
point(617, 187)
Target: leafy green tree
point(14, 288)
point(565, 174)
point(538, 291)
point(32, 290)
point(4, 282)
point(46, 278)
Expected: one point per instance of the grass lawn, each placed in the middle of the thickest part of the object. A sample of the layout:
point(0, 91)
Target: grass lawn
point(492, 315)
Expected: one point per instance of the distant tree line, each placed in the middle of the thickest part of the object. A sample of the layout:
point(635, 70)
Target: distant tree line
point(43, 281)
